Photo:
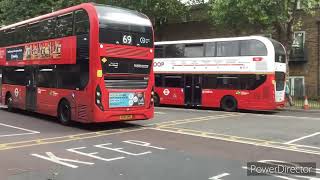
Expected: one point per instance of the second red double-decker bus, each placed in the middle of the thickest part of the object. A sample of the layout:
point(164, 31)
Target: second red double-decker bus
point(227, 73)
point(87, 63)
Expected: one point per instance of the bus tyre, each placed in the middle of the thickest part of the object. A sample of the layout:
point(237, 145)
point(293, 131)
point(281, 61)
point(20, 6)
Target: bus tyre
point(229, 103)
point(156, 100)
point(64, 113)
point(9, 102)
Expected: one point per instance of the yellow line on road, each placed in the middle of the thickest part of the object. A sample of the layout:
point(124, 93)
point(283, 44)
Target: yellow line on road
point(68, 138)
point(208, 118)
point(237, 139)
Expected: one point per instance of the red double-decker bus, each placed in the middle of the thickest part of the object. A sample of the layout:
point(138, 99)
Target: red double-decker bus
point(227, 73)
point(87, 63)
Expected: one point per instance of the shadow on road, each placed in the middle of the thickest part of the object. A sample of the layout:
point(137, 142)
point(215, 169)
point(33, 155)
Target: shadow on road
point(88, 127)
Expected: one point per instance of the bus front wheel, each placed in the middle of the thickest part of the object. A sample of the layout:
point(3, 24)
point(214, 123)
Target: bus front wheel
point(64, 112)
point(229, 103)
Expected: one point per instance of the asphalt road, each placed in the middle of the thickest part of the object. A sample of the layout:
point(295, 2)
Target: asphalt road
point(178, 144)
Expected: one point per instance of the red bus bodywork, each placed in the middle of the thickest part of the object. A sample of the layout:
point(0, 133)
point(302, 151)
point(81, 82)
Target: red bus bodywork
point(83, 102)
point(262, 98)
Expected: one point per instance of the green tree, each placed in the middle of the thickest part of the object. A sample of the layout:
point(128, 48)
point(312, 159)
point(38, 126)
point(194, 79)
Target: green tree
point(159, 11)
point(280, 16)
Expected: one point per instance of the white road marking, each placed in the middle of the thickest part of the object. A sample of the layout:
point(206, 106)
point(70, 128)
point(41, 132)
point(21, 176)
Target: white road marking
point(93, 154)
point(120, 150)
point(62, 161)
point(219, 176)
point(29, 132)
point(302, 138)
point(281, 116)
point(189, 110)
point(159, 112)
point(143, 144)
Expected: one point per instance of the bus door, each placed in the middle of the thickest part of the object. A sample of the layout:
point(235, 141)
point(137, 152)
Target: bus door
point(193, 90)
point(31, 89)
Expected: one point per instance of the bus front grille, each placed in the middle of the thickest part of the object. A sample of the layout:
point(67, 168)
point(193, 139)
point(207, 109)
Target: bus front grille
point(126, 82)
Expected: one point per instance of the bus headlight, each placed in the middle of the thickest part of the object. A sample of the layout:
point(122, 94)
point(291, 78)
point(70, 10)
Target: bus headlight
point(152, 97)
point(99, 98)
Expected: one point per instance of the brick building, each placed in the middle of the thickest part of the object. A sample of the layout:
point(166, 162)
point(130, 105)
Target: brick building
point(303, 64)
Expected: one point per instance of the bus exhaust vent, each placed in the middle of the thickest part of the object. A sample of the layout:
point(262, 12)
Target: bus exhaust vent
point(126, 82)
point(127, 52)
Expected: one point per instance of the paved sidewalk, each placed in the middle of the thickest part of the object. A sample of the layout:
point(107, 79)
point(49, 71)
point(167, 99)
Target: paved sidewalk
point(298, 109)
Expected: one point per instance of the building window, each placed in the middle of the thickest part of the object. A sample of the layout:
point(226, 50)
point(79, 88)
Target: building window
point(297, 52)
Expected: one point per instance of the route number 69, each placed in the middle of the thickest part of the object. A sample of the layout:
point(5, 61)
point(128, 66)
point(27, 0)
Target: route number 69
point(127, 39)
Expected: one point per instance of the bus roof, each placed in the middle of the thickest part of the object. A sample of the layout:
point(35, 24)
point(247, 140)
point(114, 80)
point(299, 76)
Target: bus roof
point(261, 38)
point(55, 13)
point(66, 10)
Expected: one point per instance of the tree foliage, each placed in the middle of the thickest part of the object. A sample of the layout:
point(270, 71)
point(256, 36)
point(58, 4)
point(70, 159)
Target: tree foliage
point(277, 15)
point(158, 10)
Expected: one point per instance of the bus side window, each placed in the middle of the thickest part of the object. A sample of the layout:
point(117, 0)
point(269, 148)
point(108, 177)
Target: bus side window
point(159, 52)
point(2, 42)
point(210, 49)
point(228, 48)
point(228, 82)
point(210, 81)
point(68, 76)
point(33, 32)
point(46, 77)
point(174, 51)
point(48, 29)
point(19, 35)
point(14, 76)
point(64, 25)
point(158, 80)
point(174, 81)
point(9, 37)
point(193, 50)
point(252, 48)
point(82, 24)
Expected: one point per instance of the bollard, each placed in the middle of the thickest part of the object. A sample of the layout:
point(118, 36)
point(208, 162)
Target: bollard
point(306, 103)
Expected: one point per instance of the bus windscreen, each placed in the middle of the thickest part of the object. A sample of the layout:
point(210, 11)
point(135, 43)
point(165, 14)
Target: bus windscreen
point(120, 26)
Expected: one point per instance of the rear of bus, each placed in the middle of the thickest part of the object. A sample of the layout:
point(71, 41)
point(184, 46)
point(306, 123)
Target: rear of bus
point(280, 73)
point(124, 74)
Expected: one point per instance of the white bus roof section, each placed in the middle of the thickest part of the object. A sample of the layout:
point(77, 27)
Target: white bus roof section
point(217, 65)
point(261, 38)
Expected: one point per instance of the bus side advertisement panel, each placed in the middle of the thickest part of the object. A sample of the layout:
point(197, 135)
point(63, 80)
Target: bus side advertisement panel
point(56, 51)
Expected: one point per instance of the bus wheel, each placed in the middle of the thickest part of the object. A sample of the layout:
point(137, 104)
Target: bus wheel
point(156, 100)
point(8, 102)
point(64, 112)
point(229, 103)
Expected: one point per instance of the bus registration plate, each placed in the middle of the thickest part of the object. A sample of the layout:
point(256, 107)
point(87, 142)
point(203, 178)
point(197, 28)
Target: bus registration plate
point(126, 117)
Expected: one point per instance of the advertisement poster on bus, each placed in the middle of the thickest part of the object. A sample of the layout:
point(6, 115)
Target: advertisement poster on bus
point(126, 99)
point(35, 51)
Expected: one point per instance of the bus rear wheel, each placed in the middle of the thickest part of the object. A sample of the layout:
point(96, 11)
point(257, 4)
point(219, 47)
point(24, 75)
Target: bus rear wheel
point(64, 113)
point(229, 103)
